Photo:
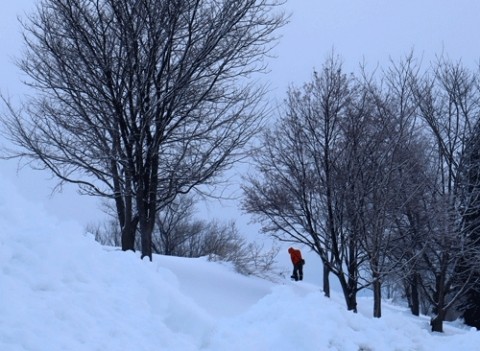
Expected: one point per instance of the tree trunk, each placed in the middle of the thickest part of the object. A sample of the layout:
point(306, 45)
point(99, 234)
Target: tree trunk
point(350, 294)
point(415, 303)
point(146, 213)
point(146, 239)
point(123, 204)
point(377, 297)
point(128, 236)
point(128, 223)
point(437, 321)
point(326, 281)
point(352, 301)
point(352, 277)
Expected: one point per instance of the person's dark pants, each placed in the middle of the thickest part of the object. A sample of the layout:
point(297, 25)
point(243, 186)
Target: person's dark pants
point(298, 271)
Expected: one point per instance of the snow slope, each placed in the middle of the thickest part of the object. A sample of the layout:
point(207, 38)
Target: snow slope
point(62, 291)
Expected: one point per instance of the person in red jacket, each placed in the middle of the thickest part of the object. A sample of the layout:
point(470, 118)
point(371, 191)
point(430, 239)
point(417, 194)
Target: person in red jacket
point(297, 262)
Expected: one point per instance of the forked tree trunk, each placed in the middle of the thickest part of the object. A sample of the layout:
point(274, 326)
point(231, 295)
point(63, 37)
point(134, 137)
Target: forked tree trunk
point(350, 294)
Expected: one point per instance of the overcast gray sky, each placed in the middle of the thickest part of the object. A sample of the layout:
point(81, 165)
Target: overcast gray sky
point(358, 30)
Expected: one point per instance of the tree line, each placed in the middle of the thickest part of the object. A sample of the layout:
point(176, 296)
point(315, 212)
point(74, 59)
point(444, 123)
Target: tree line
point(378, 173)
point(179, 233)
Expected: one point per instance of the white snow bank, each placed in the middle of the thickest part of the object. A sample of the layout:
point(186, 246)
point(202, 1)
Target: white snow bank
point(60, 290)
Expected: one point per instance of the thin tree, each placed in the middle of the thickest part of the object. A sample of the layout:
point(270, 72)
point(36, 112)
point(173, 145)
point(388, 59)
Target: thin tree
point(176, 229)
point(141, 100)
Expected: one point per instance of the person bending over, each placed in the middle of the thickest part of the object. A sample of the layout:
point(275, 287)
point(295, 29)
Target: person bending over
point(298, 262)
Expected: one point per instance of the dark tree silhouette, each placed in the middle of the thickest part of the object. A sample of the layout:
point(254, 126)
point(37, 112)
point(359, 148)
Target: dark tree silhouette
point(470, 199)
point(448, 104)
point(141, 100)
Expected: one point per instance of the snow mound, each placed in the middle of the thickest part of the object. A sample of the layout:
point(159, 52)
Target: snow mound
point(60, 290)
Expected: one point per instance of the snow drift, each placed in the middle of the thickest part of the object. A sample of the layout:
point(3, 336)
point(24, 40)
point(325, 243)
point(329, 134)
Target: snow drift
point(60, 290)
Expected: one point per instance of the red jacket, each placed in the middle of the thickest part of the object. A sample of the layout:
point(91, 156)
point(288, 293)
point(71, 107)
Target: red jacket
point(295, 255)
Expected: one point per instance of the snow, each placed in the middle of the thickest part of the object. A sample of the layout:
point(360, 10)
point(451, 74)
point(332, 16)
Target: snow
point(60, 290)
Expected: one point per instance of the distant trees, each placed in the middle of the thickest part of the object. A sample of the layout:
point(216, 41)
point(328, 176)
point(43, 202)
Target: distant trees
point(138, 101)
point(367, 171)
point(176, 232)
point(179, 233)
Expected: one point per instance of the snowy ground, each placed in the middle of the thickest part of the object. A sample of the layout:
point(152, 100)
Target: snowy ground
point(61, 291)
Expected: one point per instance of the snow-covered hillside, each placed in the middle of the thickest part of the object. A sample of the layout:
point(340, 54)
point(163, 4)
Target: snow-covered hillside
point(61, 291)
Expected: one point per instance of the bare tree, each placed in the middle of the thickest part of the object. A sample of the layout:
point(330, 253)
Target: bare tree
point(368, 168)
point(176, 230)
point(346, 172)
point(186, 236)
point(383, 157)
point(449, 104)
point(141, 100)
point(224, 243)
point(106, 233)
point(470, 205)
point(411, 229)
point(298, 196)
